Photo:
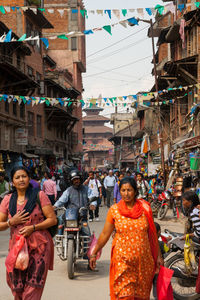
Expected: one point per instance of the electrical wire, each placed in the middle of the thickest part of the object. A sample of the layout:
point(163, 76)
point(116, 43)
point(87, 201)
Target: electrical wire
point(117, 68)
point(94, 53)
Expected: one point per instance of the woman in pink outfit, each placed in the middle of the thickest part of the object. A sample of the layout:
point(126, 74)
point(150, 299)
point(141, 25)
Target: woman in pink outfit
point(20, 212)
point(49, 188)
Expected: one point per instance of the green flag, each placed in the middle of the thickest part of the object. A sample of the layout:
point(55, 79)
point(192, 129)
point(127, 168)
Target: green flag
point(108, 29)
point(22, 38)
point(41, 9)
point(197, 4)
point(83, 12)
point(160, 9)
point(124, 12)
point(2, 10)
point(62, 36)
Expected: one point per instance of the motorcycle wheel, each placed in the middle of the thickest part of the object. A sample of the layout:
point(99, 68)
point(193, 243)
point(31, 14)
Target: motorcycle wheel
point(180, 290)
point(162, 212)
point(70, 259)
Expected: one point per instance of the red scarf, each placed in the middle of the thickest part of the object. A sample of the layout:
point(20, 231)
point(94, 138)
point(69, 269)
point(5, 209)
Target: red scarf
point(140, 207)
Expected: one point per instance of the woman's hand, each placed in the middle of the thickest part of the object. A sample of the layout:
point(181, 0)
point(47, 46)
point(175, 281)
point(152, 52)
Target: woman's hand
point(160, 262)
point(93, 263)
point(19, 218)
point(26, 231)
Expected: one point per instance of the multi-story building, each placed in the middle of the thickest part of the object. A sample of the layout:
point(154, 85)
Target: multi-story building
point(69, 55)
point(98, 150)
point(28, 69)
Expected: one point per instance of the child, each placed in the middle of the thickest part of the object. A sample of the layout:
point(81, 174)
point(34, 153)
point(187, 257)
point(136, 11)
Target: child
point(164, 249)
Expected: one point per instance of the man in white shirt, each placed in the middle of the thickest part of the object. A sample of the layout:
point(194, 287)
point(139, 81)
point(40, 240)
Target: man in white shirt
point(109, 184)
point(95, 192)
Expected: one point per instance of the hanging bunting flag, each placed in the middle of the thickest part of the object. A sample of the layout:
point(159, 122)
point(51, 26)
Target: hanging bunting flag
point(148, 10)
point(8, 36)
point(133, 21)
point(2, 10)
point(108, 11)
point(46, 42)
point(88, 32)
point(124, 12)
point(116, 12)
point(160, 9)
point(41, 9)
point(197, 4)
point(22, 38)
point(62, 36)
point(61, 12)
point(108, 29)
point(140, 11)
point(83, 13)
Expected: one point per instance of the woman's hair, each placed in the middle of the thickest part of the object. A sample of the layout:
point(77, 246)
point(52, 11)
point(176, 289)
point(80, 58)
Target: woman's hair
point(141, 175)
point(158, 228)
point(131, 181)
point(192, 197)
point(48, 175)
point(19, 168)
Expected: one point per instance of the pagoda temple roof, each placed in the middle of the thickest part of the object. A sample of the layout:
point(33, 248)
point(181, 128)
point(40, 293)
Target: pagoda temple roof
point(96, 118)
point(98, 129)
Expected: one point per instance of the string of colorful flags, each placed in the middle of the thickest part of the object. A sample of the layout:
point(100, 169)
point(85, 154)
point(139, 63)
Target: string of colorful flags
point(161, 9)
point(105, 101)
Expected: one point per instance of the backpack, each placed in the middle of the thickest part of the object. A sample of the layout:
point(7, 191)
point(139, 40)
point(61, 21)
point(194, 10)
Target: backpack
point(53, 229)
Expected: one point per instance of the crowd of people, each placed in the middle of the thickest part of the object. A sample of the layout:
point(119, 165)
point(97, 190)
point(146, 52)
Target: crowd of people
point(28, 208)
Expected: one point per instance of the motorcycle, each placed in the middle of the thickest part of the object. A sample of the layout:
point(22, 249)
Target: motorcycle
point(183, 283)
point(164, 201)
point(71, 242)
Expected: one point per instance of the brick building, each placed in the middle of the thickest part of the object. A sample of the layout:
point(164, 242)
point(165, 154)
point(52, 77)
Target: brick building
point(28, 69)
point(98, 150)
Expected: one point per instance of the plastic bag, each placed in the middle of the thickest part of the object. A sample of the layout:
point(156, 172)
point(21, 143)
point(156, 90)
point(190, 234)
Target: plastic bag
point(92, 245)
point(164, 288)
point(13, 253)
point(22, 258)
point(189, 257)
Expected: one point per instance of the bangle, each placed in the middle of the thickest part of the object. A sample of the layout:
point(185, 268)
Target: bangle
point(93, 256)
point(8, 222)
point(33, 227)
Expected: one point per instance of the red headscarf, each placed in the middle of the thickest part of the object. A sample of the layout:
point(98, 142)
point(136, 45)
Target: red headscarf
point(140, 207)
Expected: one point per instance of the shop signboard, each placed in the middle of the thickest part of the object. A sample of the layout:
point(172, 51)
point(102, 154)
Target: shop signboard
point(21, 136)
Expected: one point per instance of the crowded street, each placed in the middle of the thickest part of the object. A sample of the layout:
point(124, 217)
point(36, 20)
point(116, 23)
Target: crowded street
point(100, 150)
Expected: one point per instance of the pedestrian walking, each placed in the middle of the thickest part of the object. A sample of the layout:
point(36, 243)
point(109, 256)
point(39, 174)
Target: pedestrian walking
point(117, 195)
point(4, 186)
point(135, 254)
point(143, 187)
point(109, 184)
point(49, 188)
point(104, 197)
point(20, 212)
point(94, 192)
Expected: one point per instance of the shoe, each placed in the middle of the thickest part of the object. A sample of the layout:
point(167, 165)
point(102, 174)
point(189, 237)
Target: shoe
point(90, 220)
point(97, 219)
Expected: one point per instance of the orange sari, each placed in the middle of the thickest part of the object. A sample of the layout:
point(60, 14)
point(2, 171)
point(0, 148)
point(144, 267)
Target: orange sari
point(134, 251)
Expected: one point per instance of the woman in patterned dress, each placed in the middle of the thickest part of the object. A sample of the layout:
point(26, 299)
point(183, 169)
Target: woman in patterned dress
point(20, 212)
point(135, 255)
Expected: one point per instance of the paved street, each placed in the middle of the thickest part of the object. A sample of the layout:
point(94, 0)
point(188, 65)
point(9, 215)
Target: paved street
point(86, 285)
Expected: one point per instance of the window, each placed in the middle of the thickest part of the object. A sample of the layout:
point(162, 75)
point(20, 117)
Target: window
point(74, 43)
point(39, 126)
point(14, 108)
point(31, 123)
point(7, 106)
point(38, 79)
point(30, 72)
point(22, 110)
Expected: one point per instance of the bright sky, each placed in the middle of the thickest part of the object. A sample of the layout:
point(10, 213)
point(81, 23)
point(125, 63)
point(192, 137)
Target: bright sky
point(132, 45)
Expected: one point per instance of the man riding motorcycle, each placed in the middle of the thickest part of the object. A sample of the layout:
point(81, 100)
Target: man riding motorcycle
point(76, 196)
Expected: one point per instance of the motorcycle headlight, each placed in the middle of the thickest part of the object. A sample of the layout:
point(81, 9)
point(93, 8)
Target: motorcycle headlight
point(71, 224)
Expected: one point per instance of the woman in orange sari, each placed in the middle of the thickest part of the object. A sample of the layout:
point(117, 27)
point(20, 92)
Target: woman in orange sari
point(135, 255)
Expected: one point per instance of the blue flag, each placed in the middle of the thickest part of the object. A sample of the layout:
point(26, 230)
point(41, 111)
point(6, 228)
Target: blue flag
point(46, 42)
point(8, 36)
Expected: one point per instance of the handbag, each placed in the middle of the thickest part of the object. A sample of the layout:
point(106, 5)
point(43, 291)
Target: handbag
point(53, 230)
point(163, 286)
point(189, 257)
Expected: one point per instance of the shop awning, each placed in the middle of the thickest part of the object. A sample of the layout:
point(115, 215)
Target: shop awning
point(30, 155)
